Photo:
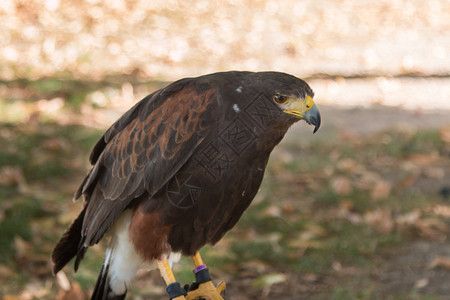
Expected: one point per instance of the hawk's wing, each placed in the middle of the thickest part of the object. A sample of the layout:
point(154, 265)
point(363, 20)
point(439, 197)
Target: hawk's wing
point(142, 151)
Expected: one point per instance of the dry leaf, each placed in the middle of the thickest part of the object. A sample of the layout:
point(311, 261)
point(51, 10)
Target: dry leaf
point(408, 181)
point(341, 186)
point(271, 211)
point(421, 283)
point(348, 165)
point(13, 176)
point(6, 271)
point(255, 265)
point(353, 218)
point(381, 220)
point(367, 179)
point(11, 297)
point(312, 231)
point(22, 247)
point(75, 293)
point(305, 244)
point(269, 280)
point(409, 218)
point(432, 228)
point(346, 205)
point(30, 262)
point(63, 281)
point(434, 172)
point(442, 210)
point(310, 277)
point(445, 133)
point(440, 262)
point(57, 143)
point(423, 160)
point(288, 208)
point(381, 190)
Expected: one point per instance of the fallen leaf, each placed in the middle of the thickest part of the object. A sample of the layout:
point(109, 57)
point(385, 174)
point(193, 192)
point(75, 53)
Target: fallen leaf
point(57, 143)
point(255, 265)
point(432, 228)
point(434, 172)
point(337, 266)
point(22, 247)
point(440, 262)
point(75, 293)
point(288, 208)
point(30, 262)
point(269, 280)
point(6, 271)
point(381, 220)
point(408, 181)
point(307, 244)
point(348, 165)
point(346, 206)
point(445, 134)
point(409, 218)
point(5, 205)
point(271, 211)
point(13, 176)
point(11, 297)
point(442, 210)
point(63, 281)
point(341, 186)
point(368, 178)
point(421, 283)
point(423, 160)
point(310, 277)
point(312, 231)
point(381, 190)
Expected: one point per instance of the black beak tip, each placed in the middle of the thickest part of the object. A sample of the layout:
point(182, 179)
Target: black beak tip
point(316, 128)
point(316, 122)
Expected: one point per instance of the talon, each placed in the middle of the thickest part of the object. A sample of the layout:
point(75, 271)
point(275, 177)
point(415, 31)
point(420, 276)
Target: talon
point(207, 291)
point(221, 287)
point(205, 288)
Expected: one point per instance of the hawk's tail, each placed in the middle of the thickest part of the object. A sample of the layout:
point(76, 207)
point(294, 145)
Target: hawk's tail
point(121, 260)
point(103, 290)
point(70, 245)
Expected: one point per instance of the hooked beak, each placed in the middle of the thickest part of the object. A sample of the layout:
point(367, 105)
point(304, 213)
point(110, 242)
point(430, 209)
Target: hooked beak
point(312, 117)
point(306, 110)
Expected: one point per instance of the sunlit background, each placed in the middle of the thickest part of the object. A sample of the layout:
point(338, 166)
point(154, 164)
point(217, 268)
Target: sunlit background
point(378, 170)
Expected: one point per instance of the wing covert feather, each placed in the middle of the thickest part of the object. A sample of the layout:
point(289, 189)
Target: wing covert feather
point(139, 155)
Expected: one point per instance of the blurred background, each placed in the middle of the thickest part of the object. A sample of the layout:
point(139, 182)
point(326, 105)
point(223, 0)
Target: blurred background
point(360, 210)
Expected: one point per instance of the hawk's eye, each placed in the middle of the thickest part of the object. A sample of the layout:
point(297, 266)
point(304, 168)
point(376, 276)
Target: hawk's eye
point(280, 99)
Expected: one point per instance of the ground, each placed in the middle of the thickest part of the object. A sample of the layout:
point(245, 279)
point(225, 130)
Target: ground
point(359, 210)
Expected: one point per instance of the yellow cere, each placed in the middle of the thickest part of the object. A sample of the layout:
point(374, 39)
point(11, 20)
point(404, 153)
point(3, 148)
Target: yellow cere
point(309, 103)
point(298, 107)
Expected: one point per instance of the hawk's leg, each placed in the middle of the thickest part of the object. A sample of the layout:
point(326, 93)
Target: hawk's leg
point(174, 288)
point(203, 288)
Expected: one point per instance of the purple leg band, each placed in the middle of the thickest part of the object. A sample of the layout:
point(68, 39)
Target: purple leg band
point(199, 268)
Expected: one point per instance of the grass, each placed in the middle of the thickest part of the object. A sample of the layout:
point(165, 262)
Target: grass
point(298, 224)
point(47, 157)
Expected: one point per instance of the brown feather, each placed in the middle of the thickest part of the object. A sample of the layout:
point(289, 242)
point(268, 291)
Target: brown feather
point(132, 167)
point(153, 244)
